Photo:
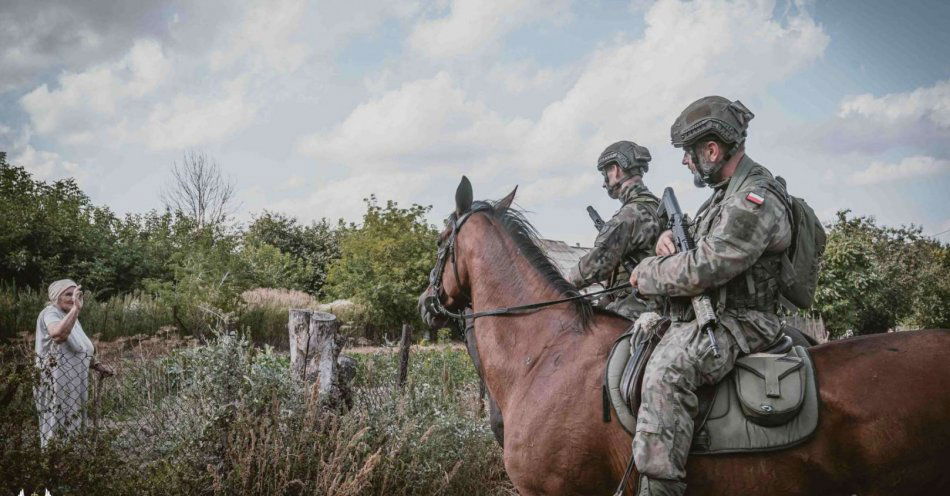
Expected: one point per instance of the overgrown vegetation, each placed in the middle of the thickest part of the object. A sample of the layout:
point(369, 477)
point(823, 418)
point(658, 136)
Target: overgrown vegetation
point(227, 418)
point(194, 263)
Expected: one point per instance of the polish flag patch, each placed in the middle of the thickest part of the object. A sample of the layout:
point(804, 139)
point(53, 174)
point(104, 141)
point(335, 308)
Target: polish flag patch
point(754, 198)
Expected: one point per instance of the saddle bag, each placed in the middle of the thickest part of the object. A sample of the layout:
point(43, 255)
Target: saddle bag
point(770, 390)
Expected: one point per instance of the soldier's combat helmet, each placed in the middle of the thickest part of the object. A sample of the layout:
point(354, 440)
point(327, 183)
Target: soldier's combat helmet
point(631, 157)
point(712, 115)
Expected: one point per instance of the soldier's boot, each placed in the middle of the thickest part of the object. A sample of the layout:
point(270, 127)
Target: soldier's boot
point(660, 487)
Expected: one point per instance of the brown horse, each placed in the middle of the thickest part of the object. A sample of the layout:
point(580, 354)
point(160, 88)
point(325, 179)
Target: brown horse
point(885, 400)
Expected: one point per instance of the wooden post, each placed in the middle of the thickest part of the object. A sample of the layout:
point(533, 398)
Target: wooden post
point(298, 326)
point(404, 343)
point(315, 349)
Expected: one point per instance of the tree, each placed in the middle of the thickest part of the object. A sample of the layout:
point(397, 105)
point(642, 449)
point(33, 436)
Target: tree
point(315, 246)
point(206, 284)
point(200, 191)
point(874, 278)
point(384, 263)
point(265, 266)
point(49, 231)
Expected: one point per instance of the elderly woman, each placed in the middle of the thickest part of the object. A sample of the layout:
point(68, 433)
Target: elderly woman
point(63, 354)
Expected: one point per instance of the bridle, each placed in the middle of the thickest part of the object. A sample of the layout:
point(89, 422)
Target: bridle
point(433, 302)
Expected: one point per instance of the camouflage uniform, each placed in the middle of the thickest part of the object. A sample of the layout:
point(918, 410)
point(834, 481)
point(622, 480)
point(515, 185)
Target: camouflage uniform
point(630, 234)
point(740, 233)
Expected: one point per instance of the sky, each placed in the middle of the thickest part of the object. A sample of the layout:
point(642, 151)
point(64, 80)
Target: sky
point(310, 107)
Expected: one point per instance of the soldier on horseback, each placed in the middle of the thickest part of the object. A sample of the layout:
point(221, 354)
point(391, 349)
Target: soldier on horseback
point(630, 234)
point(741, 234)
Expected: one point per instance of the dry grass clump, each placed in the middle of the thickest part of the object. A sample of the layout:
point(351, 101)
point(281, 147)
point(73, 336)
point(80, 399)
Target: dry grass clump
point(278, 298)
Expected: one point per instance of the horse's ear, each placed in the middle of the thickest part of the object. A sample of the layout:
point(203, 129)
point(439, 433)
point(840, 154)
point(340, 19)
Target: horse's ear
point(463, 196)
point(505, 202)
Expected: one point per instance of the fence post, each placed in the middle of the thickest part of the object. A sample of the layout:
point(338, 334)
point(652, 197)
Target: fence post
point(404, 343)
point(315, 348)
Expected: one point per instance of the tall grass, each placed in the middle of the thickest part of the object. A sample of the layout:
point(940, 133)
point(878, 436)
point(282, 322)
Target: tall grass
point(227, 418)
point(124, 315)
point(263, 317)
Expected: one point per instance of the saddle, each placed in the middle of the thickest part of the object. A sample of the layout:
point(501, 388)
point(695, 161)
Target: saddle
point(768, 402)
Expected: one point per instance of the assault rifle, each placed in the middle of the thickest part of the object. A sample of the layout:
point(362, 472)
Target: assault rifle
point(702, 305)
point(599, 224)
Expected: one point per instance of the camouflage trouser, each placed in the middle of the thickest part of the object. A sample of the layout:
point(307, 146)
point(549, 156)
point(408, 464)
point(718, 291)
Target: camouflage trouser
point(682, 362)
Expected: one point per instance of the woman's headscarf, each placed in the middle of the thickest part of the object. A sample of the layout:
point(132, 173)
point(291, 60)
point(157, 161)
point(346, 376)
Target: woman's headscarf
point(58, 287)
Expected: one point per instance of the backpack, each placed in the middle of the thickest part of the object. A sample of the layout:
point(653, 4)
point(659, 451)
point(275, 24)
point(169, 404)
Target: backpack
point(801, 261)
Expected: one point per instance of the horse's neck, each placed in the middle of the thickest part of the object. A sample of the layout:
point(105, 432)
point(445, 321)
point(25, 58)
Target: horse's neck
point(510, 345)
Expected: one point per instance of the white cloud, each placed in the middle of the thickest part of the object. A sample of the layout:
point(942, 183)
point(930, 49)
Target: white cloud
point(634, 89)
point(523, 76)
point(932, 104)
point(551, 190)
point(627, 89)
point(423, 122)
point(137, 100)
point(344, 198)
point(265, 35)
point(206, 78)
point(43, 164)
point(472, 26)
point(907, 168)
point(189, 121)
point(42, 36)
point(84, 101)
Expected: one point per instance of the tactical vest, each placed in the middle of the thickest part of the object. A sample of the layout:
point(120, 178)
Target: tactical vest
point(758, 287)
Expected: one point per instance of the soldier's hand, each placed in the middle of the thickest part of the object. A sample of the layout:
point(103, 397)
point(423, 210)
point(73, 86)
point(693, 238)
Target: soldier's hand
point(664, 244)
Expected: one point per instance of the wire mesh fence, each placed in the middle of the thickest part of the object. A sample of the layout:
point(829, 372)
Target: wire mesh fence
point(151, 408)
point(61, 393)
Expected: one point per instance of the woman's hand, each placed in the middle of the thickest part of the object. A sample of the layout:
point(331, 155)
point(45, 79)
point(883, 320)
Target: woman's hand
point(77, 299)
point(103, 369)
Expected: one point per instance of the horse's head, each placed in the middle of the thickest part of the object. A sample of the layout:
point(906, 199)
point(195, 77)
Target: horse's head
point(448, 292)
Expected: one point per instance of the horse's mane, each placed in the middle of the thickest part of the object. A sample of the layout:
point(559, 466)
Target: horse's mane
point(528, 241)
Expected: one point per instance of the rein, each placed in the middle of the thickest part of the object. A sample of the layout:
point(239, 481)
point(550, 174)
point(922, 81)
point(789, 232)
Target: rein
point(433, 303)
point(534, 306)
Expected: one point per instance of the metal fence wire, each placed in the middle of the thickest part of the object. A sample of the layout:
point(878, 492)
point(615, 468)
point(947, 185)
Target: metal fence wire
point(148, 410)
point(61, 393)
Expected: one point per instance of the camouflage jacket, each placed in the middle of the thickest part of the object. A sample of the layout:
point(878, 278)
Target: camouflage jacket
point(630, 233)
point(741, 233)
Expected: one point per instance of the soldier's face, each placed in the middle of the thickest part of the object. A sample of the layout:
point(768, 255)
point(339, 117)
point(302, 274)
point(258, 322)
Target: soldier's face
point(613, 177)
point(691, 165)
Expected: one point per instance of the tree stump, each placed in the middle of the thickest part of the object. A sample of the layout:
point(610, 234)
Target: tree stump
point(315, 349)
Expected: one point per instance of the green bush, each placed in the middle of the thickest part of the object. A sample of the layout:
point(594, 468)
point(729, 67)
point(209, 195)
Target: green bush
point(384, 265)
